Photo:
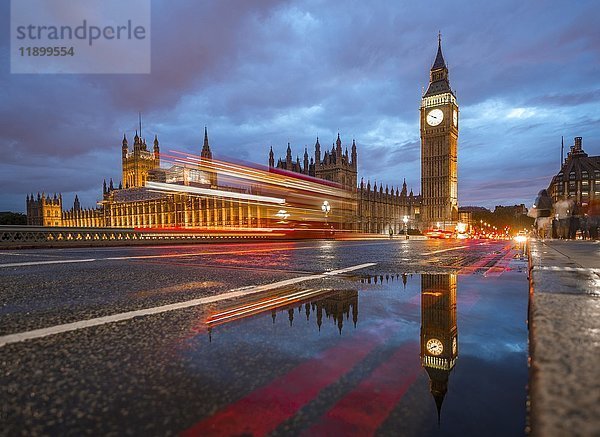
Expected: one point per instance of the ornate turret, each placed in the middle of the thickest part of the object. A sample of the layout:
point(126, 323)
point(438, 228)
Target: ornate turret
point(206, 153)
point(338, 146)
point(317, 153)
point(156, 148)
point(137, 144)
point(353, 155)
point(271, 158)
point(288, 155)
point(138, 165)
point(124, 148)
point(305, 170)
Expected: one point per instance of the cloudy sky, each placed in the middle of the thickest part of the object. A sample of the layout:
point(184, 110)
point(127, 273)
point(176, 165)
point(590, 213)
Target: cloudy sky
point(264, 72)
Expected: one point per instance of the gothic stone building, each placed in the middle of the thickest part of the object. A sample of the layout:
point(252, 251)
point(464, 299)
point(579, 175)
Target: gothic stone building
point(133, 205)
point(377, 210)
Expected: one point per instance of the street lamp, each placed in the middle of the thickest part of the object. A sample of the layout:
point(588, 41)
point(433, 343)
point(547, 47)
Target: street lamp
point(326, 207)
point(405, 220)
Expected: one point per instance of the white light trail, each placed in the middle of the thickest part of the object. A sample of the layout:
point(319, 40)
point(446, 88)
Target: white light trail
point(160, 186)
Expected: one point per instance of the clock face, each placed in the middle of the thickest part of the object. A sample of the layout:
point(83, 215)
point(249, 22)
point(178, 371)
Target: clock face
point(454, 345)
point(435, 117)
point(455, 117)
point(434, 346)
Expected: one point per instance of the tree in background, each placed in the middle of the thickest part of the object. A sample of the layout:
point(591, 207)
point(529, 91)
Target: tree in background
point(12, 218)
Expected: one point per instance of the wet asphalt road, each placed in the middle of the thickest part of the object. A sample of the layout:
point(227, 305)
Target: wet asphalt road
point(133, 376)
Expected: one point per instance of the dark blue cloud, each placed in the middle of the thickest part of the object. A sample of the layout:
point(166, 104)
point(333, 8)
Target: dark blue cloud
point(263, 73)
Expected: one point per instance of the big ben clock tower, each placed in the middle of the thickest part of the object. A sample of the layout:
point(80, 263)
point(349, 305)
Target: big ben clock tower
point(439, 140)
point(439, 335)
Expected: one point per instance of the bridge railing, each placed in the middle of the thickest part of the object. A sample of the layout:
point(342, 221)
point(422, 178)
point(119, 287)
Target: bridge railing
point(41, 236)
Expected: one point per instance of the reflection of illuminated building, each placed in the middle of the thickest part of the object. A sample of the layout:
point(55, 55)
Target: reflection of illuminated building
point(334, 305)
point(439, 339)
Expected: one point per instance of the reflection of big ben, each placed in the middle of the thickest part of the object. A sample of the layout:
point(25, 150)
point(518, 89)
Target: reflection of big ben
point(439, 341)
point(439, 139)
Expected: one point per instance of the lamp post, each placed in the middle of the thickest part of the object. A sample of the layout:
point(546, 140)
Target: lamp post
point(405, 221)
point(326, 207)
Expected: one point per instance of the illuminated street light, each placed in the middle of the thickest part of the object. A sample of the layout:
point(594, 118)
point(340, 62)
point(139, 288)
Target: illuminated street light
point(282, 214)
point(405, 221)
point(326, 207)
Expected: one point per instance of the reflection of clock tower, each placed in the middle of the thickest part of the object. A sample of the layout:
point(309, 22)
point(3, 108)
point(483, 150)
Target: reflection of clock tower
point(439, 139)
point(439, 338)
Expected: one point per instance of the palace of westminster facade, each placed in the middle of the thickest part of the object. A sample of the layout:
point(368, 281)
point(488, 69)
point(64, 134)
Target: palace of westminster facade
point(377, 209)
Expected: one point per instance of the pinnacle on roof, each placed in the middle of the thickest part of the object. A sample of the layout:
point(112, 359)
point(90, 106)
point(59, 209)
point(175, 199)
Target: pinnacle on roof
point(205, 146)
point(439, 59)
point(206, 153)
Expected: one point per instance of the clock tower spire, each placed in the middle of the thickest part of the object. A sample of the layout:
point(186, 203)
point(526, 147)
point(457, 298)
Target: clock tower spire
point(439, 148)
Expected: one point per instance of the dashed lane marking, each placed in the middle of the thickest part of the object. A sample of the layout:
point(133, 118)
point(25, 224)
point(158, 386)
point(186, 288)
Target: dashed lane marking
point(74, 326)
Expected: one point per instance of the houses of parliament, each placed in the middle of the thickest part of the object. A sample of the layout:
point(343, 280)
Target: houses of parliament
point(375, 208)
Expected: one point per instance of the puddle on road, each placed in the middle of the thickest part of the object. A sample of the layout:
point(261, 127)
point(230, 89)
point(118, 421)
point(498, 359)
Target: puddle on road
point(430, 354)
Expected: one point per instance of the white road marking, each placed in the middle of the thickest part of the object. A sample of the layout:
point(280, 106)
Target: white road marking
point(58, 261)
point(74, 326)
point(443, 250)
